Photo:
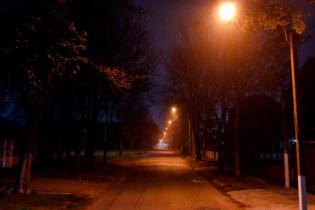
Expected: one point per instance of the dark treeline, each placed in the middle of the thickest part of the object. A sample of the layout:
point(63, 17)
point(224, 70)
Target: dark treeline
point(76, 72)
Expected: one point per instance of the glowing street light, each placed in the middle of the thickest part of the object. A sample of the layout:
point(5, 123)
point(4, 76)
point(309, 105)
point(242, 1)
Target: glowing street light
point(169, 122)
point(174, 109)
point(227, 11)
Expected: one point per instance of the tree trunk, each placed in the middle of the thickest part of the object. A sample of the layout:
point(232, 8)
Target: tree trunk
point(197, 141)
point(90, 142)
point(81, 137)
point(189, 138)
point(92, 132)
point(193, 140)
point(121, 140)
point(25, 172)
point(221, 140)
point(285, 141)
point(109, 120)
point(78, 146)
point(121, 130)
point(90, 147)
point(203, 145)
point(77, 157)
point(236, 135)
point(220, 156)
point(105, 140)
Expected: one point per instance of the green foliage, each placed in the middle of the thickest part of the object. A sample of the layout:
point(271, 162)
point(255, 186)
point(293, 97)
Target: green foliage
point(272, 15)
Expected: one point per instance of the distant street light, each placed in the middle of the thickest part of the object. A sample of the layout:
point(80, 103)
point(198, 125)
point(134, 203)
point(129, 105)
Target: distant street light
point(227, 11)
point(174, 109)
point(169, 122)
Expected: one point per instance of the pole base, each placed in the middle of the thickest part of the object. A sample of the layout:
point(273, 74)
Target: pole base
point(302, 192)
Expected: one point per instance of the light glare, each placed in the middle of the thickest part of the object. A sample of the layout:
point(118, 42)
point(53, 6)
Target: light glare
point(227, 11)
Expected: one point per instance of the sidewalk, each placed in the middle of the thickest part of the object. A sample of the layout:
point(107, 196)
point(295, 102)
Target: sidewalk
point(252, 192)
point(55, 189)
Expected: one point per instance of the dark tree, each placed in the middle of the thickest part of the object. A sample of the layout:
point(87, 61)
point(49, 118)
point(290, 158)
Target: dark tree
point(45, 46)
point(307, 100)
point(260, 128)
point(192, 80)
point(118, 45)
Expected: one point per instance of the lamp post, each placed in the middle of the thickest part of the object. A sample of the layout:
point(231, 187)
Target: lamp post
point(227, 12)
point(301, 177)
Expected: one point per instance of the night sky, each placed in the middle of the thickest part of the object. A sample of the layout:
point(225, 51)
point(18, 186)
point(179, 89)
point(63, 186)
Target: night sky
point(163, 22)
point(165, 17)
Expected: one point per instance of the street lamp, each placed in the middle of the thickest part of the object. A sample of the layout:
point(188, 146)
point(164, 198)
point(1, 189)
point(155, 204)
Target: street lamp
point(227, 11)
point(174, 110)
point(301, 177)
point(169, 122)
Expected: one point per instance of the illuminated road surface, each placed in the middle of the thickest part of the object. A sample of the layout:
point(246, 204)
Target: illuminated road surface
point(162, 181)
